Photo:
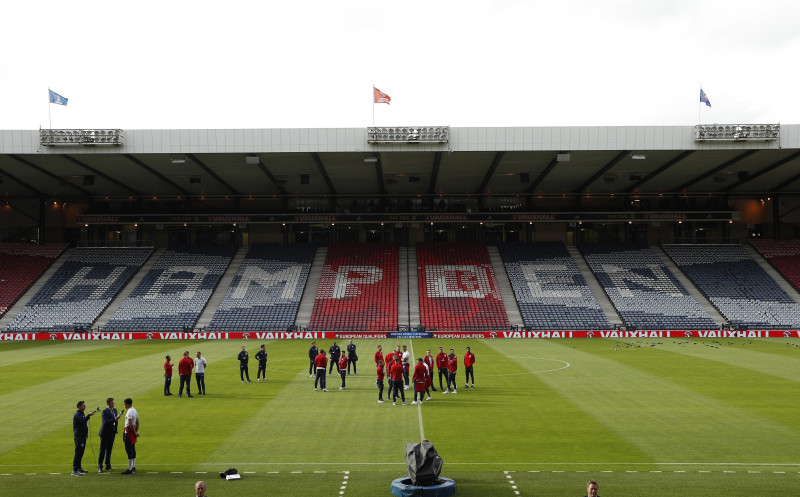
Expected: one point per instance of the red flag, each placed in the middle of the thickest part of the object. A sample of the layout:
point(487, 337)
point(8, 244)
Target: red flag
point(380, 97)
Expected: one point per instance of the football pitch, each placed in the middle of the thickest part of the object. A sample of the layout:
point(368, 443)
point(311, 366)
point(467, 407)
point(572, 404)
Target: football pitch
point(695, 417)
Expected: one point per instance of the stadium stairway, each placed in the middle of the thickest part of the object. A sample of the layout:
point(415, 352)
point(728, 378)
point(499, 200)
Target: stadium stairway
point(594, 285)
point(411, 290)
point(696, 294)
point(222, 287)
point(310, 291)
point(126, 291)
point(504, 285)
point(35, 287)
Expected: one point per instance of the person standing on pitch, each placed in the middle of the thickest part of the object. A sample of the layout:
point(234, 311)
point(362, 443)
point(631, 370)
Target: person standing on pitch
point(335, 352)
point(352, 357)
point(167, 376)
point(80, 431)
point(200, 489)
point(379, 381)
point(441, 366)
point(389, 363)
point(420, 380)
point(452, 367)
point(406, 357)
point(343, 362)
point(185, 366)
point(469, 360)
point(131, 434)
point(429, 361)
point(261, 356)
point(378, 355)
point(108, 432)
point(313, 352)
point(200, 364)
point(244, 370)
point(396, 374)
point(591, 489)
point(321, 362)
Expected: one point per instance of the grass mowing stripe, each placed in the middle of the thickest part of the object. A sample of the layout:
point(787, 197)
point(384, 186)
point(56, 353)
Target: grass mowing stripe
point(419, 406)
point(665, 413)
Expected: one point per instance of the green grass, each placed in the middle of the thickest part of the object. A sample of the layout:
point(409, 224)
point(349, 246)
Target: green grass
point(684, 417)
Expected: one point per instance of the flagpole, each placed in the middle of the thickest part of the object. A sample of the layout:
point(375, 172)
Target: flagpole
point(373, 105)
point(49, 106)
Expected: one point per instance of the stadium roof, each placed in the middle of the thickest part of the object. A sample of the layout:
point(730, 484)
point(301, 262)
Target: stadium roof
point(350, 162)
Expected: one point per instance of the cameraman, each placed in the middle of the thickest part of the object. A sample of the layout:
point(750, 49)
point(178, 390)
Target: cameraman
point(80, 430)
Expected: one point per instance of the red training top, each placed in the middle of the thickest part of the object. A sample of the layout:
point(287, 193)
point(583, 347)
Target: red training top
point(321, 361)
point(441, 360)
point(380, 373)
point(452, 365)
point(185, 366)
point(469, 359)
point(168, 368)
point(343, 362)
point(396, 371)
point(378, 356)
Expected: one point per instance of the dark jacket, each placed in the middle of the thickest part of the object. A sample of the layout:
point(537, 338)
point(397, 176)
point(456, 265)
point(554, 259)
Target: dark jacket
point(109, 427)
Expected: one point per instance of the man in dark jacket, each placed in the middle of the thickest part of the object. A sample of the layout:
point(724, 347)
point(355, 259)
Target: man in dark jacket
point(108, 432)
point(80, 431)
point(313, 352)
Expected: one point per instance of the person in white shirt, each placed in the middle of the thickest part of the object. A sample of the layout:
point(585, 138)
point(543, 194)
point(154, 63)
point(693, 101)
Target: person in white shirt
point(406, 365)
point(130, 435)
point(200, 364)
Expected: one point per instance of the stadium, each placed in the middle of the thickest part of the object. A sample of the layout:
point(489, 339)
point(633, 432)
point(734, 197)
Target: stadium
point(631, 295)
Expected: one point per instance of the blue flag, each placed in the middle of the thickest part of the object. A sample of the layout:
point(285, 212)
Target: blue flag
point(704, 98)
point(55, 98)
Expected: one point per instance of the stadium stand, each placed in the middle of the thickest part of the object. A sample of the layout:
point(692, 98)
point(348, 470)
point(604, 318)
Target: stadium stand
point(174, 292)
point(784, 255)
point(550, 290)
point(358, 288)
point(265, 293)
point(645, 293)
point(734, 282)
point(78, 292)
point(20, 265)
point(458, 289)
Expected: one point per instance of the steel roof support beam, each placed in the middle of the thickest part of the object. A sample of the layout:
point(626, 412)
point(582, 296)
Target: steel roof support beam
point(542, 175)
point(324, 173)
point(714, 171)
point(379, 172)
point(602, 171)
point(51, 175)
point(156, 174)
point(658, 171)
point(764, 171)
point(437, 161)
point(231, 190)
point(99, 173)
point(490, 172)
point(271, 176)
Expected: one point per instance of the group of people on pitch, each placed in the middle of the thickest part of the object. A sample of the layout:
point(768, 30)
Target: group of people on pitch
point(397, 364)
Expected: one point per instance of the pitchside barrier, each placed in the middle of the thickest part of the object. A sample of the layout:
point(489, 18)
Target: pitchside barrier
point(321, 335)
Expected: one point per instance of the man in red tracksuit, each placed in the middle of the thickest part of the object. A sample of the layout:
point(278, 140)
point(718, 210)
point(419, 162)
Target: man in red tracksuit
point(441, 366)
point(321, 362)
point(420, 380)
point(396, 374)
point(343, 369)
point(452, 367)
point(429, 361)
point(185, 366)
point(469, 360)
point(379, 381)
point(389, 361)
point(378, 355)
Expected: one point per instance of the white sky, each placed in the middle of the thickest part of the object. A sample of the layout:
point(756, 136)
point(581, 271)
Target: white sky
point(311, 63)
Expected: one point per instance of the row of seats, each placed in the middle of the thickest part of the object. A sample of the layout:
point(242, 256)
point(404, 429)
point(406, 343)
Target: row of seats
point(358, 288)
point(644, 292)
point(173, 293)
point(737, 286)
point(551, 291)
point(458, 288)
point(266, 291)
point(84, 285)
point(21, 265)
point(784, 255)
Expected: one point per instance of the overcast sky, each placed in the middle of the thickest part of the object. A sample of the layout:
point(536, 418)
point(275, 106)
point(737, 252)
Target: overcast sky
point(312, 63)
